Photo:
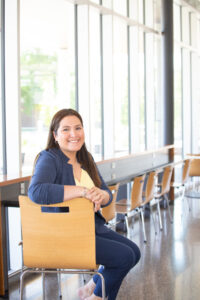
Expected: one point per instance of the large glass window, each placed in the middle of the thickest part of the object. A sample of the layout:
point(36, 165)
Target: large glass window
point(134, 89)
point(185, 25)
point(47, 69)
point(1, 138)
point(157, 14)
point(178, 100)
point(149, 91)
point(120, 7)
point(120, 73)
point(195, 92)
point(158, 107)
point(108, 87)
point(187, 101)
point(177, 22)
point(141, 75)
point(149, 10)
point(95, 85)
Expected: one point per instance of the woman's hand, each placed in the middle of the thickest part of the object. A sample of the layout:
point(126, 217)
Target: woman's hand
point(98, 197)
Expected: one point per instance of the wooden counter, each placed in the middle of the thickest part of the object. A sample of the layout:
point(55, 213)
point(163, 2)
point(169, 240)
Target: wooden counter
point(10, 188)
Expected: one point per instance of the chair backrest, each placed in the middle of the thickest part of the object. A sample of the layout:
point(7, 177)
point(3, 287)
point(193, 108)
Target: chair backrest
point(186, 170)
point(136, 192)
point(150, 186)
point(108, 212)
point(195, 167)
point(166, 180)
point(63, 238)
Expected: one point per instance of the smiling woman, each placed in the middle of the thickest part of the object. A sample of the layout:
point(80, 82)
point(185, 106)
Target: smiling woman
point(66, 170)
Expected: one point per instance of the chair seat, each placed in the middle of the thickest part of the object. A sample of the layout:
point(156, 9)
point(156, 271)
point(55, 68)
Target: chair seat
point(123, 202)
point(123, 209)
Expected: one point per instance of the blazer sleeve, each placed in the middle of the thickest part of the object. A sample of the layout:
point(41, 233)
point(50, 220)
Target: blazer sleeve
point(105, 188)
point(43, 189)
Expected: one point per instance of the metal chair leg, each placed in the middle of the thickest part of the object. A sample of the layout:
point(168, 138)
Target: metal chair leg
point(127, 225)
point(43, 285)
point(154, 223)
point(170, 216)
point(143, 227)
point(159, 216)
point(21, 286)
point(59, 285)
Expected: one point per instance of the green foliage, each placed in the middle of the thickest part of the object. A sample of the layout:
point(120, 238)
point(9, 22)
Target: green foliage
point(36, 68)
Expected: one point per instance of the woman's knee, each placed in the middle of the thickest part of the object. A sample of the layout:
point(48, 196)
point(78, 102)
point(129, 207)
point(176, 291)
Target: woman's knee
point(127, 258)
point(137, 254)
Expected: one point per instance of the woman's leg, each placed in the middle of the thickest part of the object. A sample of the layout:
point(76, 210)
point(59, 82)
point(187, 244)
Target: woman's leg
point(118, 255)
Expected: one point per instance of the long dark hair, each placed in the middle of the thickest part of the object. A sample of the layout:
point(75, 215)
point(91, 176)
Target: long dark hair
point(83, 156)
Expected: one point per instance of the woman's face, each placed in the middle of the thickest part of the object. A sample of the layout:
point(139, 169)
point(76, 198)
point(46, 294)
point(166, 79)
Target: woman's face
point(70, 135)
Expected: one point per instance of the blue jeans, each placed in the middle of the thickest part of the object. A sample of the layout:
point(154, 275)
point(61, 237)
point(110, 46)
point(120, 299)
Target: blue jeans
point(117, 255)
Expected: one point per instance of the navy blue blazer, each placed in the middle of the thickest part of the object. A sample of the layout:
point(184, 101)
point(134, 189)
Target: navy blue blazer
point(52, 172)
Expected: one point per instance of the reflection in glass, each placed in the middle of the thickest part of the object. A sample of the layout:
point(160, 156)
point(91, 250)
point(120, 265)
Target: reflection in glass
point(47, 70)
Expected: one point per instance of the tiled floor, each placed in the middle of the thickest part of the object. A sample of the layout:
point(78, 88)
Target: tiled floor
point(169, 268)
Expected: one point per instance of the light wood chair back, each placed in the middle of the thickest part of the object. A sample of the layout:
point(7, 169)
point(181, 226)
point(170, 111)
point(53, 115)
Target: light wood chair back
point(150, 186)
point(109, 211)
point(136, 192)
point(166, 180)
point(186, 170)
point(62, 239)
point(195, 167)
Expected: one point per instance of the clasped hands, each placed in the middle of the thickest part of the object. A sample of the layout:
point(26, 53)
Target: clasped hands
point(97, 196)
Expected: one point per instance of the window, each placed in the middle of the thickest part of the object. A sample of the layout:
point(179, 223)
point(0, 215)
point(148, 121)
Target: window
point(177, 100)
point(47, 70)
point(177, 22)
point(95, 85)
point(120, 77)
point(1, 116)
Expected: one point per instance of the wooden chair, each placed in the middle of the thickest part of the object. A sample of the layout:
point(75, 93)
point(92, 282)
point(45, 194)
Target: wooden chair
point(58, 238)
point(164, 186)
point(109, 212)
point(195, 168)
point(185, 176)
point(148, 194)
point(129, 210)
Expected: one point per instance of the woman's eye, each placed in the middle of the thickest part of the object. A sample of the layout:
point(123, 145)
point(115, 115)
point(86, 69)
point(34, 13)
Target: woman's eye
point(78, 128)
point(66, 129)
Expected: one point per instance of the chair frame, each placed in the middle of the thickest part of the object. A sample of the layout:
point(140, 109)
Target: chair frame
point(165, 188)
point(181, 186)
point(109, 212)
point(148, 194)
point(129, 210)
point(58, 251)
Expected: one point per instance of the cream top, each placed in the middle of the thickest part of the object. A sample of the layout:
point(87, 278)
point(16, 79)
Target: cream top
point(85, 180)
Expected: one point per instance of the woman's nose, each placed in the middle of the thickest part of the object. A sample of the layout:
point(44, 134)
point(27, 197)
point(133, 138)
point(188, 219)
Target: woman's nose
point(72, 132)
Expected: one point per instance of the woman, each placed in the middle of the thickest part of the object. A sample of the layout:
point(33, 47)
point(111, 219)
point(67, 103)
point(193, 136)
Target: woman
point(66, 170)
